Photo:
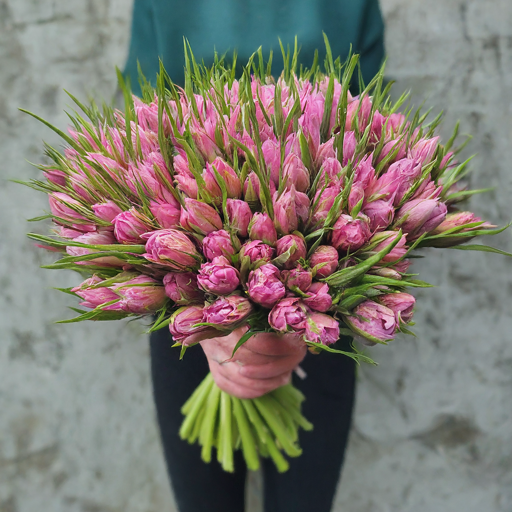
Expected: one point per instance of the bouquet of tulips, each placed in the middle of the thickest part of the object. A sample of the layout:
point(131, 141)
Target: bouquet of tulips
point(285, 206)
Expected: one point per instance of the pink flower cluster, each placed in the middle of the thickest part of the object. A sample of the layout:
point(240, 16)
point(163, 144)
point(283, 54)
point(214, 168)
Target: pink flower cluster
point(240, 213)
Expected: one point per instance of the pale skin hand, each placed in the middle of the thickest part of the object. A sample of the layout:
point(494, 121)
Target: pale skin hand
point(262, 364)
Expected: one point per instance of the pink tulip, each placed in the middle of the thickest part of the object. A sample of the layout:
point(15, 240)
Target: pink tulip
point(364, 173)
point(228, 311)
point(252, 188)
point(141, 295)
point(262, 228)
point(297, 278)
point(459, 220)
point(106, 211)
point(102, 237)
point(187, 184)
point(227, 173)
point(295, 173)
point(173, 249)
point(324, 261)
point(289, 209)
point(239, 215)
point(294, 246)
point(289, 315)
point(402, 305)
point(420, 216)
point(318, 297)
point(264, 285)
point(167, 215)
point(183, 322)
point(256, 250)
point(218, 277)
point(350, 234)
point(349, 147)
point(272, 156)
point(373, 323)
point(96, 297)
point(424, 150)
point(360, 109)
point(322, 329)
point(128, 227)
point(390, 147)
point(218, 243)
point(356, 196)
point(330, 172)
point(325, 150)
point(322, 205)
point(385, 238)
point(182, 288)
point(380, 213)
point(199, 217)
point(62, 206)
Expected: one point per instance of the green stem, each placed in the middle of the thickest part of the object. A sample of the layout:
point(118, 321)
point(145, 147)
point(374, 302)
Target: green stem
point(209, 424)
point(248, 443)
point(274, 422)
point(293, 410)
point(280, 462)
point(226, 445)
point(189, 421)
point(187, 406)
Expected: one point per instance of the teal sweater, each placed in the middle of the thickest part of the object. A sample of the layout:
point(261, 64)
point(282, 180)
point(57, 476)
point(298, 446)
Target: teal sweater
point(159, 26)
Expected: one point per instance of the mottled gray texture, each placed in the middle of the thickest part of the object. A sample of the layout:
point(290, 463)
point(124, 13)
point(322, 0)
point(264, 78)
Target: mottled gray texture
point(433, 425)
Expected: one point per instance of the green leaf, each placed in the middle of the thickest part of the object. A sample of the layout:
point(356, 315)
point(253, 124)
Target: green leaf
point(242, 340)
point(358, 357)
point(481, 248)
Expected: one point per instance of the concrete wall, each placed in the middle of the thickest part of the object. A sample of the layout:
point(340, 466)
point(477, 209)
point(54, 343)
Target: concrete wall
point(433, 425)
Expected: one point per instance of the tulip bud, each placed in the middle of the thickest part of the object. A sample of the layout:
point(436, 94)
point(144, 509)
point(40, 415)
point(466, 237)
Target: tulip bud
point(325, 150)
point(218, 243)
point(61, 206)
point(183, 321)
point(262, 228)
point(297, 278)
point(373, 323)
point(349, 147)
point(330, 172)
point(322, 205)
point(350, 234)
point(272, 156)
point(322, 329)
point(324, 261)
point(356, 197)
point(199, 217)
point(288, 315)
point(256, 250)
point(218, 277)
point(173, 249)
point(264, 285)
point(187, 184)
point(420, 216)
point(96, 297)
point(128, 227)
point(239, 215)
point(228, 311)
point(385, 238)
point(182, 288)
point(102, 237)
point(391, 147)
point(402, 305)
point(167, 215)
point(106, 211)
point(459, 220)
point(289, 208)
point(141, 295)
point(424, 150)
point(295, 173)
point(380, 213)
point(293, 248)
point(227, 173)
point(361, 110)
point(318, 297)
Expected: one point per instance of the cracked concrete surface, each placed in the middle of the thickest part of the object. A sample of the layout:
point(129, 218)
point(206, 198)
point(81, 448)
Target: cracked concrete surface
point(432, 429)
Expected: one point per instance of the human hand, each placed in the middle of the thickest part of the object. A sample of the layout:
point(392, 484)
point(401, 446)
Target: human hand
point(263, 363)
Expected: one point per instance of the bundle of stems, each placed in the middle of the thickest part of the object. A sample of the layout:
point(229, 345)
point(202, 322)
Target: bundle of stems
point(267, 426)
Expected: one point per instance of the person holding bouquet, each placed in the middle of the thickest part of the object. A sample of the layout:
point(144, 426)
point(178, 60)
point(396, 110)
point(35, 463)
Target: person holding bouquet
point(260, 365)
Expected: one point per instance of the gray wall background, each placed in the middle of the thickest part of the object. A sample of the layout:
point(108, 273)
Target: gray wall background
point(433, 423)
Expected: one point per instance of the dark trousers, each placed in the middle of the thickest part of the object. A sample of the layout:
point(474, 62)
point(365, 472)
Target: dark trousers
point(311, 481)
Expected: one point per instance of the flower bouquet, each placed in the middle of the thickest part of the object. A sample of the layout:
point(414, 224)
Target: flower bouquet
point(284, 206)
